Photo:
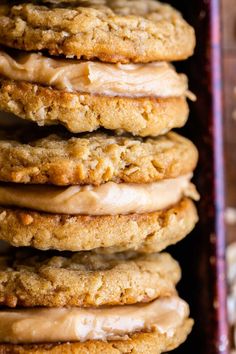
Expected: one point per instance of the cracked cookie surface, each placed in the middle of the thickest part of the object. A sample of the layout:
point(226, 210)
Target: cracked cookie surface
point(62, 159)
point(31, 279)
point(112, 31)
point(85, 113)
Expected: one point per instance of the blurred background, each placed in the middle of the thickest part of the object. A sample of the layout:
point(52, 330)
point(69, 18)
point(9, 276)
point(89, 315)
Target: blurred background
point(229, 75)
point(229, 81)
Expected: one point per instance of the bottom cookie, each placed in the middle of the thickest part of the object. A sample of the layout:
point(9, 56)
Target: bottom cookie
point(139, 343)
point(150, 232)
point(78, 112)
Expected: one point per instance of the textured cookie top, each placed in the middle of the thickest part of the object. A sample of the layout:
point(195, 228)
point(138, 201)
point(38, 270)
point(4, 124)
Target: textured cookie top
point(113, 31)
point(62, 159)
point(85, 279)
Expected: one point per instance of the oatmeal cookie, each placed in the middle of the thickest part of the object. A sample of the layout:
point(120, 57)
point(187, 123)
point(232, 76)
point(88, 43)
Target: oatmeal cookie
point(30, 279)
point(112, 31)
point(83, 112)
point(62, 159)
point(150, 232)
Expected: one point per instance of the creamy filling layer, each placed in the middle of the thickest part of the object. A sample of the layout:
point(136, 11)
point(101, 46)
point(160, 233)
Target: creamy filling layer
point(107, 199)
point(77, 324)
point(157, 79)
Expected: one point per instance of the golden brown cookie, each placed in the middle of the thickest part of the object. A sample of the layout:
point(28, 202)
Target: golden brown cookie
point(113, 31)
point(31, 279)
point(139, 343)
point(79, 112)
point(151, 232)
point(62, 159)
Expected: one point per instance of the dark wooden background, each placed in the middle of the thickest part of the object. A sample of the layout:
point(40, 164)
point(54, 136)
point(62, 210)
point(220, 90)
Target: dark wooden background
point(229, 72)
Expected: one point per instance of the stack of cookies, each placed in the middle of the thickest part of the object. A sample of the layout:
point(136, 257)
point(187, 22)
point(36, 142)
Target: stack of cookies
point(90, 198)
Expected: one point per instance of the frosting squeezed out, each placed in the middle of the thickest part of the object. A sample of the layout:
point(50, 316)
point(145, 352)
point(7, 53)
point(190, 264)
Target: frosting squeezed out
point(78, 324)
point(158, 79)
point(107, 199)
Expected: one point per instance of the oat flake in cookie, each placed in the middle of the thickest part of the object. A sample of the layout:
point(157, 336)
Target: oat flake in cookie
point(59, 158)
point(102, 165)
point(143, 310)
point(142, 99)
point(149, 232)
point(139, 31)
point(54, 279)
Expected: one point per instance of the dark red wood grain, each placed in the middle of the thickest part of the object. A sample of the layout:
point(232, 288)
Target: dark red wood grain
point(229, 76)
point(202, 255)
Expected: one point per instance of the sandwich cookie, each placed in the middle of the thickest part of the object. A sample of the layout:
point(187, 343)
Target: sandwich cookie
point(142, 99)
point(109, 193)
point(143, 342)
point(81, 306)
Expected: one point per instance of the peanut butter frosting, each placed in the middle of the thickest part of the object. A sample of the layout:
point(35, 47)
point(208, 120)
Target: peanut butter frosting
point(107, 199)
point(76, 324)
point(158, 79)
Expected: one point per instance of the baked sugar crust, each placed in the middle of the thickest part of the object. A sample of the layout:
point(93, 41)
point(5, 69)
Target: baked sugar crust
point(112, 31)
point(64, 159)
point(147, 233)
point(47, 279)
point(83, 112)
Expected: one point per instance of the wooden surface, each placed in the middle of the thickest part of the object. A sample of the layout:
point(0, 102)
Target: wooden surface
point(229, 72)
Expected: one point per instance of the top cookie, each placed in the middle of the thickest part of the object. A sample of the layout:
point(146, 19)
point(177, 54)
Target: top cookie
point(45, 279)
point(109, 30)
point(39, 157)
